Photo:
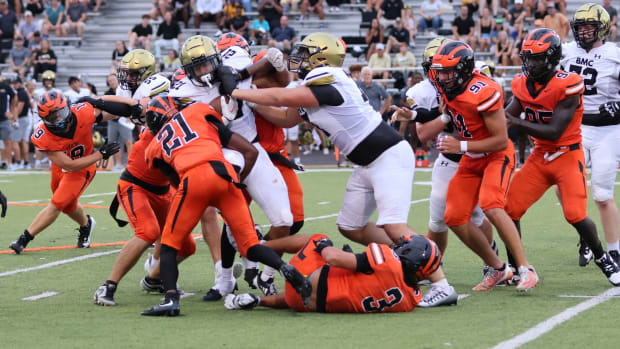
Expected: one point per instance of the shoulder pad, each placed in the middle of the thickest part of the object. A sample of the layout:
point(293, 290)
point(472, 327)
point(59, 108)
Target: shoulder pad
point(320, 76)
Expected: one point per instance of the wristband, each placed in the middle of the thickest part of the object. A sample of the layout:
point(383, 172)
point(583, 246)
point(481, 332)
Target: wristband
point(464, 146)
point(445, 118)
point(244, 74)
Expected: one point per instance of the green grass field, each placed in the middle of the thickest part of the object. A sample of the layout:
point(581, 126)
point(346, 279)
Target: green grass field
point(480, 320)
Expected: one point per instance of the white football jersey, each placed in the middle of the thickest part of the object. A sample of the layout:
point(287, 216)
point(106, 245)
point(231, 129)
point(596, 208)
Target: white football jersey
point(152, 86)
point(422, 95)
point(600, 69)
point(234, 57)
point(347, 124)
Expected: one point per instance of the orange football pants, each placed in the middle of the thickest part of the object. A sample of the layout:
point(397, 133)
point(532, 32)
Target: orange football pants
point(199, 188)
point(481, 181)
point(306, 261)
point(68, 186)
point(536, 176)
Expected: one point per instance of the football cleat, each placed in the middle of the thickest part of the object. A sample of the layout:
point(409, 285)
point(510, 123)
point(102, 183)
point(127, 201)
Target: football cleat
point(85, 231)
point(152, 285)
point(439, 295)
point(299, 282)
point(493, 277)
point(105, 295)
point(267, 287)
point(220, 290)
point(169, 307)
point(615, 255)
point(528, 279)
point(585, 254)
point(245, 301)
point(609, 268)
point(250, 276)
point(19, 244)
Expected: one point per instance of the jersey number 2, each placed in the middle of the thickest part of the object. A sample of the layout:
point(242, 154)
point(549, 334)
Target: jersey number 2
point(172, 141)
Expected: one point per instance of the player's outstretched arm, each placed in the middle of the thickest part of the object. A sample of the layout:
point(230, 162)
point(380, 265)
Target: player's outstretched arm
point(553, 130)
point(60, 159)
point(278, 96)
point(280, 117)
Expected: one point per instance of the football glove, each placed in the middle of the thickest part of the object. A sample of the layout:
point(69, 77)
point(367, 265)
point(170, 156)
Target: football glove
point(109, 149)
point(274, 56)
point(321, 244)
point(4, 204)
point(228, 78)
point(610, 109)
point(245, 301)
point(306, 137)
point(229, 109)
point(136, 115)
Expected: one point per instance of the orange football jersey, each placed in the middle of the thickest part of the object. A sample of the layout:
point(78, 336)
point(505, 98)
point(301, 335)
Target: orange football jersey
point(482, 95)
point(136, 161)
point(187, 140)
point(81, 142)
point(539, 102)
point(270, 136)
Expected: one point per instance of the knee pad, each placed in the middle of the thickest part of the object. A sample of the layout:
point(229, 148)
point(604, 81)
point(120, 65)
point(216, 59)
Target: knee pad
point(437, 226)
point(601, 193)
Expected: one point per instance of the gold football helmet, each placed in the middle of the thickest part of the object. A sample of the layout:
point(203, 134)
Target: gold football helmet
point(429, 52)
point(590, 14)
point(200, 58)
point(135, 67)
point(316, 50)
point(48, 78)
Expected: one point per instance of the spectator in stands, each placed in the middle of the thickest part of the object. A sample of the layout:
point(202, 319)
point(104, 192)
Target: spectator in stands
point(28, 27)
point(483, 28)
point(472, 6)
point(20, 135)
point(8, 21)
point(560, 5)
point(557, 21)
point(112, 82)
point(92, 89)
point(389, 11)
point(229, 11)
point(16, 6)
point(259, 31)
point(35, 7)
point(515, 56)
point(498, 27)
point(412, 78)
point(44, 59)
point(355, 71)
point(54, 18)
point(613, 16)
point(240, 22)
point(8, 103)
point(140, 34)
point(374, 36)
point(313, 6)
point(171, 62)
point(117, 55)
point(463, 28)
point(410, 24)
point(289, 6)
point(283, 37)
point(181, 11)
point(503, 49)
point(541, 10)
point(516, 17)
point(380, 59)
point(76, 16)
point(378, 98)
point(272, 11)
point(404, 58)
point(431, 11)
point(168, 35)
point(34, 44)
point(207, 10)
point(75, 90)
point(89, 3)
point(398, 34)
point(160, 7)
point(19, 57)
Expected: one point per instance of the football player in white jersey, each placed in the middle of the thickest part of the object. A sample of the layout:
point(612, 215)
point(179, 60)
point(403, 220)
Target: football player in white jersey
point(331, 100)
point(598, 62)
point(200, 59)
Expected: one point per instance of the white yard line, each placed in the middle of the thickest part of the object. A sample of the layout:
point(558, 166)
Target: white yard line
point(39, 296)
point(549, 324)
point(581, 296)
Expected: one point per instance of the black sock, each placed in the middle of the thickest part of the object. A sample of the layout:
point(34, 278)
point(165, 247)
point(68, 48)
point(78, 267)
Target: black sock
point(27, 235)
point(265, 255)
point(228, 251)
point(111, 285)
point(168, 267)
point(587, 231)
point(511, 258)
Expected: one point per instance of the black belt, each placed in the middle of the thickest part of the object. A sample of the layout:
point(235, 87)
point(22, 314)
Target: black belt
point(155, 189)
point(220, 169)
point(599, 120)
point(453, 157)
point(378, 141)
point(278, 157)
point(574, 146)
point(321, 290)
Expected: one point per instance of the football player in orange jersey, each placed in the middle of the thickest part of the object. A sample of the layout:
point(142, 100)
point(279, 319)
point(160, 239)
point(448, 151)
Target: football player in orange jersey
point(552, 102)
point(66, 136)
point(380, 279)
point(187, 147)
point(474, 104)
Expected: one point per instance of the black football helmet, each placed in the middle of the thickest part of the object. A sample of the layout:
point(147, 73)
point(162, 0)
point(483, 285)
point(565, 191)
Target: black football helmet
point(457, 58)
point(419, 256)
point(541, 52)
point(160, 110)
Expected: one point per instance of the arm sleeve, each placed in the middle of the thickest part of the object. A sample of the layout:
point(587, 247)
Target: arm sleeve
point(363, 265)
point(326, 95)
point(425, 115)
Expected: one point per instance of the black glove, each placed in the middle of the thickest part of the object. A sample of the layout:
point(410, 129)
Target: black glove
point(109, 149)
point(321, 244)
point(136, 115)
point(347, 248)
point(97, 103)
point(228, 78)
point(3, 203)
point(609, 109)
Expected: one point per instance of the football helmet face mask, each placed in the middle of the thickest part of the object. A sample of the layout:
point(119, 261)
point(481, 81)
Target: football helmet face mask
point(429, 52)
point(160, 109)
point(316, 50)
point(135, 67)
point(419, 256)
point(452, 67)
point(541, 52)
point(232, 39)
point(590, 24)
point(54, 110)
point(200, 58)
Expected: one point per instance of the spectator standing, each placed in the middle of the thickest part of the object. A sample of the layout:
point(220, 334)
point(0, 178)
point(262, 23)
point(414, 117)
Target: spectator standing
point(483, 28)
point(557, 21)
point(378, 98)
point(44, 59)
point(259, 31)
point(54, 18)
point(8, 103)
point(398, 34)
point(8, 21)
point(430, 12)
point(140, 34)
point(380, 59)
point(76, 18)
point(35, 7)
point(463, 28)
point(207, 10)
point(272, 11)
point(168, 35)
point(389, 11)
point(613, 19)
point(239, 23)
point(117, 55)
point(75, 90)
point(28, 27)
point(20, 135)
point(19, 57)
point(283, 37)
point(374, 36)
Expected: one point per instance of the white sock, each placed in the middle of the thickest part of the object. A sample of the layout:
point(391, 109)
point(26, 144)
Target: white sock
point(218, 265)
point(442, 282)
point(227, 274)
point(268, 273)
point(249, 264)
point(613, 246)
